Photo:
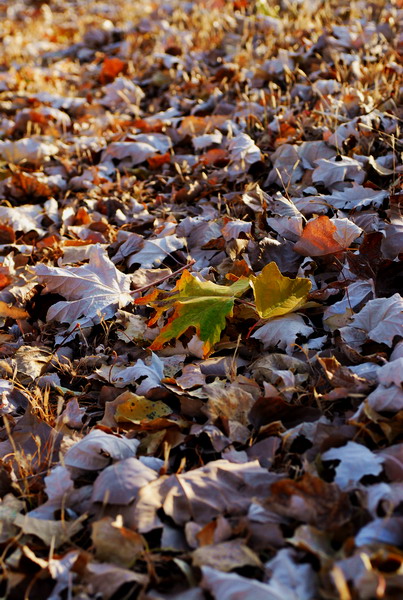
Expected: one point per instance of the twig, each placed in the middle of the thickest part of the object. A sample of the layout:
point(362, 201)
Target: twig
point(158, 281)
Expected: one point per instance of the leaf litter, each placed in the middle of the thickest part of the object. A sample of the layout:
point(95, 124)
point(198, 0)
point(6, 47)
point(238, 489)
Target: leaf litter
point(201, 242)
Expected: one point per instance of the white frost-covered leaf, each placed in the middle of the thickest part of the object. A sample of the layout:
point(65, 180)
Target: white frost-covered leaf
point(121, 376)
point(300, 579)
point(339, 313)
point(122, 92)
point(380, 320)
point(120, 482)
point(142, 146)
point(286, 166)
point(331, 171)
point(155, 251)
point(381, 531)
point(346, 231)
point(23, 218)
point(386, 399)
point(92, 291)
point(355, 197)
point(392, 373)
point(27, 150)
point(200, 142)
point(231, 586)
point(356, 461)
point(96, 450)
point(243, 148)
point(282, 332)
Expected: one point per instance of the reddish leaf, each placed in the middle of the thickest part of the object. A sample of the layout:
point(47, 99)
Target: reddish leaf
point(111, 67)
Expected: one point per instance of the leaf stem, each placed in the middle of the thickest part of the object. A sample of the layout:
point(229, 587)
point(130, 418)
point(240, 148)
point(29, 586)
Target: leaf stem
point(252, 304)
point(158, 281)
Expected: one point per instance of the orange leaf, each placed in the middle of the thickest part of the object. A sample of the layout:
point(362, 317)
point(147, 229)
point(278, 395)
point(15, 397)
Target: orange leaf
point(48, 241)
point(12, 311)
point(82, 217)
point(7, 234)
point(5, 280)
point(193, 126)
point(217, 157)
point(154, 162)
point(317, 238)
point(111, 67)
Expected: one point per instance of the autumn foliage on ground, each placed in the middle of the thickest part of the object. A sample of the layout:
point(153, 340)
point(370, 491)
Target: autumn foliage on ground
point(201, 355)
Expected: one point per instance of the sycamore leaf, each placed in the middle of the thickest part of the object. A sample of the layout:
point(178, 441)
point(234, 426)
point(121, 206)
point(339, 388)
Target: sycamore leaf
point(203, 305)
point(277, 295)
point(92, 291)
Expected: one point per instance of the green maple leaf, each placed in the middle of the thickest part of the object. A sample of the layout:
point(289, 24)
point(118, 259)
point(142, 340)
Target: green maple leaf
point(203, 305)
point(277, 295)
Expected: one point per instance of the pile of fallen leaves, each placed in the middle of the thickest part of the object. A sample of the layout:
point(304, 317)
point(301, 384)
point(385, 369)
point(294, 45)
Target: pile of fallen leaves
point(201, 355)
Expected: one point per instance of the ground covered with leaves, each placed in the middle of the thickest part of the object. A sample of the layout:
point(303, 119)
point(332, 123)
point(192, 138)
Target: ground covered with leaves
point(201, 245)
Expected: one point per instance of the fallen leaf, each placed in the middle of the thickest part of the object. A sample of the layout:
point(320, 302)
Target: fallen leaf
point(12, 312)
point(231, 586)
point(135, 409)
point(355, 461)
point(97, 449)
point(282, 332)
point(220, 487)
point(111, 67)
point(380, 319)
point(51, 532)
point(115, 543)
point(27, 150)
point(200, 304)
point(312, 500)
point(225, 556)
point(119, 483)
point(323, 236)
point(277, 295)
point(92, 291)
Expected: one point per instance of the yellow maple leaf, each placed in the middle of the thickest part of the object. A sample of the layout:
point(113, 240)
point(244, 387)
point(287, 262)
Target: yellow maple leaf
point(277, 295)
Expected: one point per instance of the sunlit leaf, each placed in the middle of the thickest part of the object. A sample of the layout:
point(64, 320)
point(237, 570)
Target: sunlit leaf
point(136, 409)
point(277, 295)
point(323, 236)
point(203, 305)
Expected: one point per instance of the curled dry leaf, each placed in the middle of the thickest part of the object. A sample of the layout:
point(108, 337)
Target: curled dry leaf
point(323, 236)
point(97, 449)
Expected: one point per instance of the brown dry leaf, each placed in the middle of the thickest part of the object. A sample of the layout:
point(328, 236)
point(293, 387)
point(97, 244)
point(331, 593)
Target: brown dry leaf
point(226, 556)
point(106, 579)
point(114, 543)
point(233, 404)
point(311, 500)
point(217, 488)
point(52, 532)
point(111, 67)
point(12, 312)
